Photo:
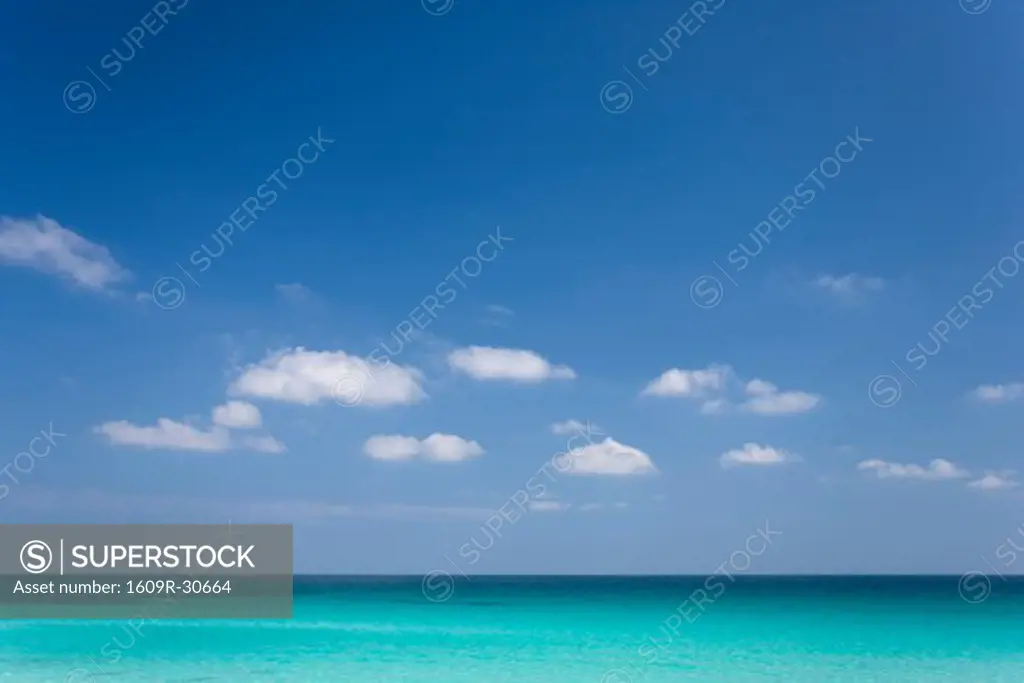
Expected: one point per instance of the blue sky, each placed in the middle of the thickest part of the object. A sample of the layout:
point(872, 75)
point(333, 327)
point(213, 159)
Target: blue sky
point(624, 195)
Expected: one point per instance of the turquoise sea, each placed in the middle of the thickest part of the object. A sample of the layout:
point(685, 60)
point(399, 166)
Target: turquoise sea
point(560, 630)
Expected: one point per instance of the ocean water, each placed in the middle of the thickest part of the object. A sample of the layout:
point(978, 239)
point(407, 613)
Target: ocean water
point(560, 630)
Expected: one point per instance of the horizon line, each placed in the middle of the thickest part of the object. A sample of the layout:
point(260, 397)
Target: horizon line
point(651, 576)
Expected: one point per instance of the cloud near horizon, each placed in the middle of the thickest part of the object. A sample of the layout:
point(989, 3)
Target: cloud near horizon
point(168, 434)
point(219, 510)
point(995, 481)
point(938, 469)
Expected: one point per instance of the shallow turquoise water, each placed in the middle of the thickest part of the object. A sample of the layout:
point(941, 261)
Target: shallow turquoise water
point(562, 630)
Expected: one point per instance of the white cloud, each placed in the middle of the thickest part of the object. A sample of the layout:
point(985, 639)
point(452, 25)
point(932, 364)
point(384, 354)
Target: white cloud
point(937, 469)
point(310, 377)
point(712, 384)
point(514, 365)
point(264, 444)
point(388, 447)
point(766, 399)
point(436, 447)
point(755, 454)
point(608, 458)
point(171, 435)
point(995, 481)
point(553, 506)
point(42, 244)
point(575, 427)
point(167, 434)
point(998, 393)
point(849, 286)
point(677, 382)
point(547, 506)
point(449, 448)
point(237, 415)
point(758, 387)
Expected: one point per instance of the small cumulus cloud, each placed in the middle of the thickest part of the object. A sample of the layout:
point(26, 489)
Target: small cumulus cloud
point(392, 447)
point(752, 454)
point(487, 363)
point(310, 377)
point(166, 434)
point(436, 447)
point(849, 287)
point(712, 387)
point(609, 458)
point(936, 470)
point(766, 399)
point(237, 415)
point(689, 383)
point(44, 245)
point(995, 481)
point(998, 393)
